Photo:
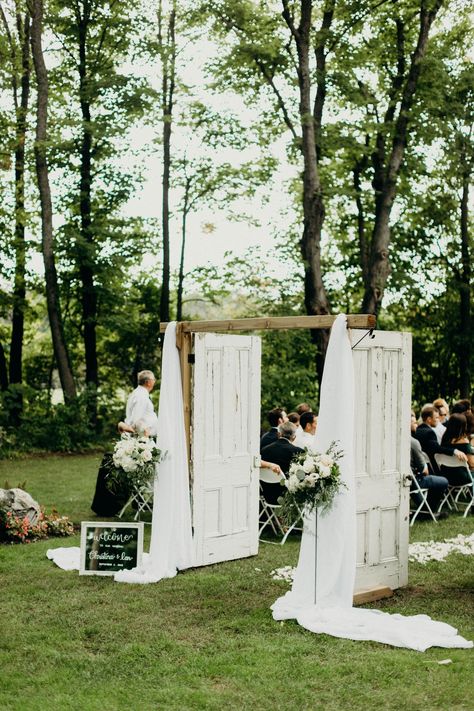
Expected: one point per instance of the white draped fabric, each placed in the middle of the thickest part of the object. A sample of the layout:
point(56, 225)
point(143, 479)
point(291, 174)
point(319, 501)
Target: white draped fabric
point(171, 547)
point(321, 596)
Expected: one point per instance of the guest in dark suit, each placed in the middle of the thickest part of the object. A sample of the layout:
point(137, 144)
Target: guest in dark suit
point(276, 417)
point(426, 436)
point(280, 452)
point(436, 485)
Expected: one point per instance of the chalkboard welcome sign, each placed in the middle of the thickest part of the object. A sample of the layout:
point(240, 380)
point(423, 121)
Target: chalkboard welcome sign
point(109, 547)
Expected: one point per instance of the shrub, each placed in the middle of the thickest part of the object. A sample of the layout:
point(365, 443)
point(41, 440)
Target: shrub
point(14, 529)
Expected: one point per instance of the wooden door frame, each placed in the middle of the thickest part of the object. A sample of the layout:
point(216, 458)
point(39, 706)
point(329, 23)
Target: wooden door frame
point(185, 330)
point(184, 334)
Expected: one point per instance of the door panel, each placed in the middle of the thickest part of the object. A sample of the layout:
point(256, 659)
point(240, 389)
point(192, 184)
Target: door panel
point(225, 444)
point(382, 368)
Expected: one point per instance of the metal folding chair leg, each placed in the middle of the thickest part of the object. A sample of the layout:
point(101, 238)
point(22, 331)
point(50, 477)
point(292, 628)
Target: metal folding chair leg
point(269, 517)
point(143, 498)
point(423, 506)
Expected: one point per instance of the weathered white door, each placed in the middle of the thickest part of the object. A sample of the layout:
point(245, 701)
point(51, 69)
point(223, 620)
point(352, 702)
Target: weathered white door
point(382, 368)
point(225, 446)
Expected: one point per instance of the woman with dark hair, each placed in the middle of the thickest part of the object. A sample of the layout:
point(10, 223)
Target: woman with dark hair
point(456, 434)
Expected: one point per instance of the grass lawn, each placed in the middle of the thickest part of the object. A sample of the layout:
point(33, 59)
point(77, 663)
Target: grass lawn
point(206, 639)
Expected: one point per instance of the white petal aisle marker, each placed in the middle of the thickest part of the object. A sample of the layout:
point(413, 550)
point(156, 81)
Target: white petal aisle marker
point(321, 596)
point(425, 551)
point(421, 552)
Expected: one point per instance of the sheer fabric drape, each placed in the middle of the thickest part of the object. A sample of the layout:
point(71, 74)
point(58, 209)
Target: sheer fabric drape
point(171, 547)
point(321, 596)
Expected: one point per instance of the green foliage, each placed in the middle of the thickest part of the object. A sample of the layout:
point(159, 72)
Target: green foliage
point(46, 427)
point(235, 116)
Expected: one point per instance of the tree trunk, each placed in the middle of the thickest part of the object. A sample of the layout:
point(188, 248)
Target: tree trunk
point(179, 306)
point(316, 301)
point(3, 369)
point(86, 247)
point(386, 175)
point(168, 60)
point(465, 349)
point(165, 221)
point(52, 291)
point(18, 311)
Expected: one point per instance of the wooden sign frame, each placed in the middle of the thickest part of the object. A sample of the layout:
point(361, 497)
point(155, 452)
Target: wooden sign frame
point(106, 548)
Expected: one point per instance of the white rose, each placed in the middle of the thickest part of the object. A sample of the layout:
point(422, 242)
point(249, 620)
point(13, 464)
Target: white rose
point(128, 447)
point(147, 455)
point(292, 483)
point(128, 464)
point(326, 460)
point(324, 471)
point(308, 465)
point(311, 479)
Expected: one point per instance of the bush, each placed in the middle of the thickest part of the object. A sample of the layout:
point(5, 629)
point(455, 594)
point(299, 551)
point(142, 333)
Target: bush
point(46, 427)
point(14, 529)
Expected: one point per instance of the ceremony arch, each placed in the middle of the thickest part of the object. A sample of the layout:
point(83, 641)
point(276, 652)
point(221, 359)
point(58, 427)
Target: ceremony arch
point(221, 397)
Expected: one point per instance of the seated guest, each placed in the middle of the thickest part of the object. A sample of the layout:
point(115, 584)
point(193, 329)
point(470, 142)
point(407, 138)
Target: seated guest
point(464, 407)
point(426, 436)
point(276, 417)
point(305, 435)
point(443, 412)
point(275, 468)
point(456, 435)
point(443, 409)
point(280, 452)
point(302, 407)
point(461, 406)
point(436, 485)
point(294, 418)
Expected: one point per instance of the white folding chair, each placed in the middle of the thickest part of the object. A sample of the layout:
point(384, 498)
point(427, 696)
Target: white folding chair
point(455, 491)
point(420, 494)
point(142, 497)
point(269, 512)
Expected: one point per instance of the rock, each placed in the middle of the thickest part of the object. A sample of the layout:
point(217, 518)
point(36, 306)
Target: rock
point(20, 503)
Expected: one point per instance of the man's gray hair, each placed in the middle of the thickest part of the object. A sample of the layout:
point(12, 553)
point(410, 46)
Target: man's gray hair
point(287, 430)
point(145, 375)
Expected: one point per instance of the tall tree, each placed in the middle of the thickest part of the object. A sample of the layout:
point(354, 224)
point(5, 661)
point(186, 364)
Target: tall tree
point(20, 69)
point(307, 41)
point(402, 65)
point(42, 172)
point(97, 101)
point(280, 51)
point(166, 48)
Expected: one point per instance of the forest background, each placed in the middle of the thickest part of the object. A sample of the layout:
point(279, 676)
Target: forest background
point(138, 141)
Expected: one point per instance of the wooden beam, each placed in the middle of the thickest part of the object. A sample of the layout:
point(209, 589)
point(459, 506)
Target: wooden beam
point(276, 323)
point(361, 597)
point(184, 343)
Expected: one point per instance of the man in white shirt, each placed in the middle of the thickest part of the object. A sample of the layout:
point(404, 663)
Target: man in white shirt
point(140, 415)
point(305, 434)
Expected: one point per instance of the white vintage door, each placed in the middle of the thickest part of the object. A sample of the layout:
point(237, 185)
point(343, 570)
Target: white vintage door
point(382, 368)
point(225, 446)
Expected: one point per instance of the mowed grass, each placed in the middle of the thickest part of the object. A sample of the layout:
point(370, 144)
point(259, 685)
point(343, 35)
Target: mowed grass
point(206, 639)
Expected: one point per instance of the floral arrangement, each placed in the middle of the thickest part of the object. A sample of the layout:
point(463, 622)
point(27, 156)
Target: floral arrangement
point(133, 463)
point(17, 529)
point(313, 481)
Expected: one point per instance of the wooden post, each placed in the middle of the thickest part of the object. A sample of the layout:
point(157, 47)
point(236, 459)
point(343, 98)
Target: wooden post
point(184, 344)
